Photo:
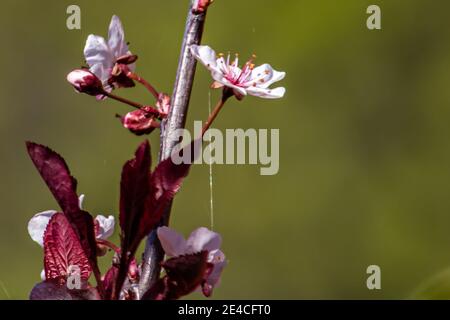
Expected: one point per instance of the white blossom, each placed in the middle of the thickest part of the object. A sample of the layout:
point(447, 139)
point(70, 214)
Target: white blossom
point(247, 80)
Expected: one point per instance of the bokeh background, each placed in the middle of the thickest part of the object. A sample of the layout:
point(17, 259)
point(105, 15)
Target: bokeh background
point(364, 151)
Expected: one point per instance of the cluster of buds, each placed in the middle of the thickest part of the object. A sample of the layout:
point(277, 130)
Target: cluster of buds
point(111, 66)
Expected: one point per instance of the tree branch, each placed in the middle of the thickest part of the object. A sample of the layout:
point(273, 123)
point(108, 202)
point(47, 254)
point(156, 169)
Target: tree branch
point(153, 253)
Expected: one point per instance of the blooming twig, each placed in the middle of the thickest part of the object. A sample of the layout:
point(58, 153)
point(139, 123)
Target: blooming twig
point(73, 238)
point(176, 119)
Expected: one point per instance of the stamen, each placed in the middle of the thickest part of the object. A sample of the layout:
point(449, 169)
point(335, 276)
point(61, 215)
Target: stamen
point(246, 70)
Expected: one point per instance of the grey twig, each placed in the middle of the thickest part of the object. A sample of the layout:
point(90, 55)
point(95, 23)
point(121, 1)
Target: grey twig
point(153, 253)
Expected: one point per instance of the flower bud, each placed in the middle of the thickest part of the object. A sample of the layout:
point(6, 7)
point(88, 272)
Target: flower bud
point(133, 271)
point(200, 6)
point(85, 81)
point(163, 105)
point(140, 122)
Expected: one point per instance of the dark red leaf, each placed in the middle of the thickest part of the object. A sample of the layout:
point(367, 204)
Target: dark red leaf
point(165, 182)
point(167, 179)
point(109, 281)
point(144, 199)
point(83, 224)
point(145, 196)
point(134, 190)
point(52, 290)
point(56, 175)
point(63, 250)
point(183, 275)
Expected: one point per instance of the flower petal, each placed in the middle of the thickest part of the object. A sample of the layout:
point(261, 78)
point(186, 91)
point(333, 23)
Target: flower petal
point(38, 224)
point(172, 242)
point(218, 259)
point(277, 76)
point(116, 38)
point(103, 74)
point(81, 200)
point(267, 93)
point(265, 75)
point(97, 51)
point(98, 57)
point(106, 227)
point(203, 239)
point(205, 55)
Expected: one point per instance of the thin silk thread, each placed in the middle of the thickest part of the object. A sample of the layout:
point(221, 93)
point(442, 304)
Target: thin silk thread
point(211, 194)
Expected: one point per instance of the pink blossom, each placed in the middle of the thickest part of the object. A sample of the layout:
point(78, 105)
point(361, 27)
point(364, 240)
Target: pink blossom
point(243, 81)
point(109, 60)
point(38, 223)
point(201, 239)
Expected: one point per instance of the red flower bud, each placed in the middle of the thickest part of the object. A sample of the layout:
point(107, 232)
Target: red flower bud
point(140, 121)
point(85, 81)
point(133, 271)
point(163, 105)
point(200, 6)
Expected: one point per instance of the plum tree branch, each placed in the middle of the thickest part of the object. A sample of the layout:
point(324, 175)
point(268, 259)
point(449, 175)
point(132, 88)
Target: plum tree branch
point(195, 22)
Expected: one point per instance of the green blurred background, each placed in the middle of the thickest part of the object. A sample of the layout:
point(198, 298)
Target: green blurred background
point(364, 151)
